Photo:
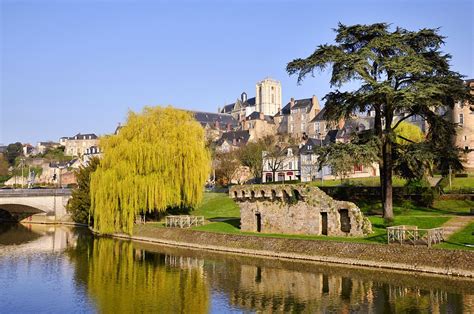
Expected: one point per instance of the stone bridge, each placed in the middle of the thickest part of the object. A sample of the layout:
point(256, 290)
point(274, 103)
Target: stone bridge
point(34, 205)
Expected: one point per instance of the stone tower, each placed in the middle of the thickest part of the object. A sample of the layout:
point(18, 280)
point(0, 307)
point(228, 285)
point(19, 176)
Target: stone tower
point(463, 115)
point(268, 96)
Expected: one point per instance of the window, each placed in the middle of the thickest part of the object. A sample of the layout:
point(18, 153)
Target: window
point(316, 127)
point(465, 138)
point(290, 165)
point(310, 147)
point(357, 168)
point(461, 118)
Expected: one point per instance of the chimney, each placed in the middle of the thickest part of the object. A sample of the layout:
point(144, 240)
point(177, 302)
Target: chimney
point(218, 109)
point(340, 123)
point(315, 103)
point(262, 116)
point(292, 102)
point(228, 127)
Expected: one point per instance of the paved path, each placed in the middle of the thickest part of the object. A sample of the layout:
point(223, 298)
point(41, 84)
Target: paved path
point(455, 224)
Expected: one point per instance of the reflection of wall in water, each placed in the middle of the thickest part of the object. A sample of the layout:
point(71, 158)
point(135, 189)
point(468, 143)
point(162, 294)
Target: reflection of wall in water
point(270, 289)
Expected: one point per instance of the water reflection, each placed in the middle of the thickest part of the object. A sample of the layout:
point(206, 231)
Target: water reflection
point(108, 275)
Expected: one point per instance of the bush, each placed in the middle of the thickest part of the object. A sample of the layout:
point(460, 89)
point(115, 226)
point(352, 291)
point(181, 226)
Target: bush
point(422, 189)
point(461, 175)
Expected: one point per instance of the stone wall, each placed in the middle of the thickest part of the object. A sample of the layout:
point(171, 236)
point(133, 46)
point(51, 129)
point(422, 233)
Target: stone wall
point(297, 209)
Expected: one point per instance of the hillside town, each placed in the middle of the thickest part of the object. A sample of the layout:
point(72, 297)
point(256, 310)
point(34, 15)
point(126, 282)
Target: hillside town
point(299, 126)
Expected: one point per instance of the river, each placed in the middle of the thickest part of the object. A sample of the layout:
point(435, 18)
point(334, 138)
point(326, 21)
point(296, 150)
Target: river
point(48, 269)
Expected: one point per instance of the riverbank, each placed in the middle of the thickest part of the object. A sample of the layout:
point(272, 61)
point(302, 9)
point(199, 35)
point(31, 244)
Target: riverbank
point(396, 257)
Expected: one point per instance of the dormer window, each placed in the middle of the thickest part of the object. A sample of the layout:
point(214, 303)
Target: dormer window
point(290, 152)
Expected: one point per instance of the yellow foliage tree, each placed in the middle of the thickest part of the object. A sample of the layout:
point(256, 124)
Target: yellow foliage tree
point(157, 160)
point(408, 132)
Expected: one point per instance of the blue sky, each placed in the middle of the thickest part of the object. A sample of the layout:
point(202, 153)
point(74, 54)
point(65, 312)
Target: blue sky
point(78, 66)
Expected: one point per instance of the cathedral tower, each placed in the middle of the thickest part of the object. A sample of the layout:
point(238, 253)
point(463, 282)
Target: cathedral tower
point(268, 96)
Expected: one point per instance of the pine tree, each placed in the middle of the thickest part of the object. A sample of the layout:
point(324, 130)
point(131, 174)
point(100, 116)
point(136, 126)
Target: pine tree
point(398, 71)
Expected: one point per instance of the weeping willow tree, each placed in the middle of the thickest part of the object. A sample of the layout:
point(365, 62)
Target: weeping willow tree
point(157, 160)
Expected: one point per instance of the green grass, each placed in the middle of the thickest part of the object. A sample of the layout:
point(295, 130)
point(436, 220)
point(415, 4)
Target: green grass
point(439, 208)
point(371, 181)
point(461, 183)
point(459, 239)
point(224, 215)
point(217, 205)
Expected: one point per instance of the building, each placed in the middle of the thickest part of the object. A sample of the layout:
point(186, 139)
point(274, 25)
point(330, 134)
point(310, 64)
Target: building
point(297, 209)
point(215, 124)
point(241, 108)
point(294, 119)
point(232, 140)
point(259, 125)
point(267, 101)
point(42, 147)
point(281, 166)
point(78, 144)
point(463, 115)
point(309, 167)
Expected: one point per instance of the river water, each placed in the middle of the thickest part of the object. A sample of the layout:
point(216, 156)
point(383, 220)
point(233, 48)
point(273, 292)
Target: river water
point(47, 269)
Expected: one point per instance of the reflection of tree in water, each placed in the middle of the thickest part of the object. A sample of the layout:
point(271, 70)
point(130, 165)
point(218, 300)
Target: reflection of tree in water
point(120, 278)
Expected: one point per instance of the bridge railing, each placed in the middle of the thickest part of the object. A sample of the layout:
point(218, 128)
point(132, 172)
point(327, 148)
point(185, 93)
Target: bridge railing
point(34, 192)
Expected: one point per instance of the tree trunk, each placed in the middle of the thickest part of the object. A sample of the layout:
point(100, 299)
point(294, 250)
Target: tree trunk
point(387, 198)
point(387, 187)
point(378, 133)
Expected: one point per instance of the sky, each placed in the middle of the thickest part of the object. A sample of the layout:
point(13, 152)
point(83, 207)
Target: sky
point(70, 66)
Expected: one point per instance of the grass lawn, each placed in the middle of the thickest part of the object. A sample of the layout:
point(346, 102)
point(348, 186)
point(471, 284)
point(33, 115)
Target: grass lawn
point(224, 216)
point(459, 239)
point(371, 181)
point(461, 183)
point(217, 205)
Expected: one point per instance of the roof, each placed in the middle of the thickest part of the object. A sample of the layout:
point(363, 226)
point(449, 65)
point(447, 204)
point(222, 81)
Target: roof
point(248, 103)
point(256, 116)
point(320, 115)
point(238, 137)
point(208, 118)
point(48, 143)
point(80, 136)
point(310, 144)
point(299, 103)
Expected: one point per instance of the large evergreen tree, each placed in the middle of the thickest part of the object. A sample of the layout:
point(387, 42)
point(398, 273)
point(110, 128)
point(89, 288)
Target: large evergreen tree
point(399, 71)
point(80, 203)
point(157, 160)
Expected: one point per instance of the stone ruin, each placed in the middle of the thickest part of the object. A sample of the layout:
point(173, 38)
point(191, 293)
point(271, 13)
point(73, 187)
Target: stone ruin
point(297, 209)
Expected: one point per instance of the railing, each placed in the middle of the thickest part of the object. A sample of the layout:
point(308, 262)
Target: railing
point(34, 192)
point(184, 221)
point(414, 235)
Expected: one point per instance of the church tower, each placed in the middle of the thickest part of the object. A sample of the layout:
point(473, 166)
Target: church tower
point(268, 96)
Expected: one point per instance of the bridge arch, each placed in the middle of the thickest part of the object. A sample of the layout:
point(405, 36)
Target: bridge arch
point(17, 212)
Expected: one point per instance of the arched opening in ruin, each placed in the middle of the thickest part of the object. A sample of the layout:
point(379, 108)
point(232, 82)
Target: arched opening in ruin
point(285, 196)
point(243, 194)
point(262, 193)
point(235, 194)
point(252, 194)
point(258, 222)
point(274, 195)
point(297, 195)
point(324, 224)
point(345, 220)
